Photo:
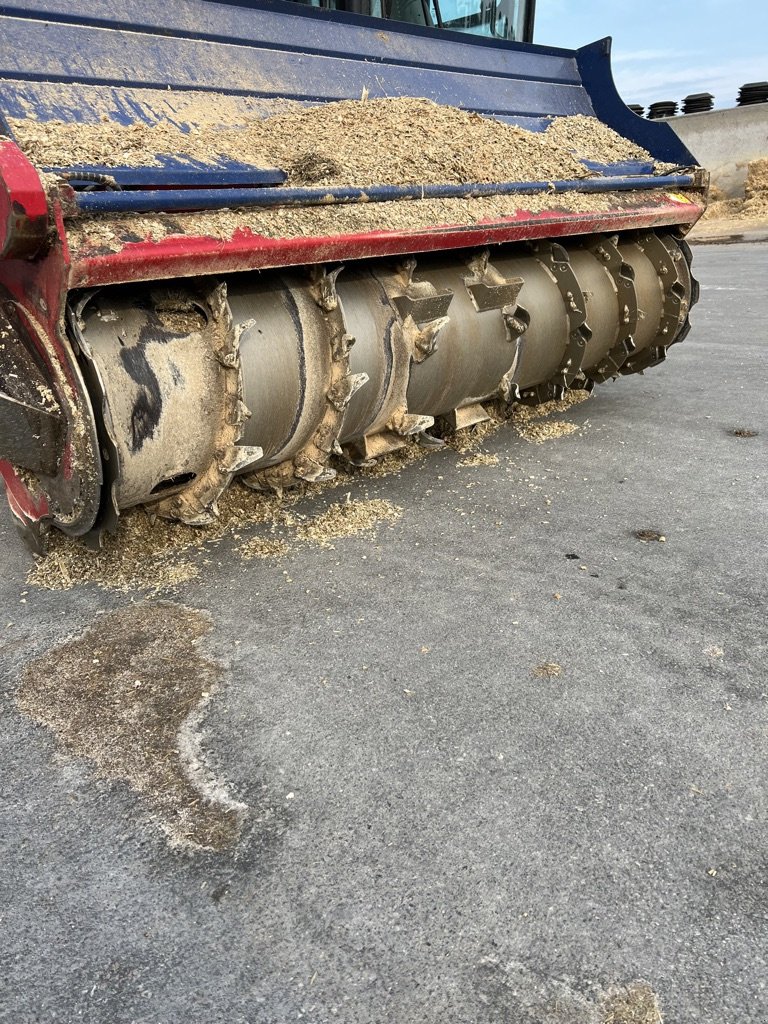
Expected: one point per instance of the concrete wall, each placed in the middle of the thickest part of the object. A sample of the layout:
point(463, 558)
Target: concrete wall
point(724, 141)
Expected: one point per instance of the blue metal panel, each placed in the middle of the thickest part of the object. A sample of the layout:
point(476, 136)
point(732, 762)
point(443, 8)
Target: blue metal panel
point(624, 167)
point(202, 199)
point(80, 60)
point(76, 103)
point(92, 55)
point(594, 62)
point(175, 174)
point(279, 25)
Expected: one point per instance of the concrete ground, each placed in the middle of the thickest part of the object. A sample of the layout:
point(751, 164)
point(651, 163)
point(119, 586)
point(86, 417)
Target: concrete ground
point(436, 833)
point(726, 231)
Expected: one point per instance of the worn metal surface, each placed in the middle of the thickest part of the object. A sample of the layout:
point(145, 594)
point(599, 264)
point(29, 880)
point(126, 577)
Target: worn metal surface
point(166, 367)
point(24, 216)
point(148, 201)
point(34, 294)
point(183, 255)
point(335, 358)
point(257, 49)
point(32, 427)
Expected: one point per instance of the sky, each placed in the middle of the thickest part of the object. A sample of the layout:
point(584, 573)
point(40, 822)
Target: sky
point(667, 49)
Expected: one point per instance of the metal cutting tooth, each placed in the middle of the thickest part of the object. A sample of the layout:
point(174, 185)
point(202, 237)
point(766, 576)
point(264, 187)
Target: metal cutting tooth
point(619, 302)
point(238, 458)
point(407, 424)
point(424, 338)
point(324, 284)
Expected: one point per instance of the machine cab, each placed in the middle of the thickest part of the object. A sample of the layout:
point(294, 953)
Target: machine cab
point(495, 19)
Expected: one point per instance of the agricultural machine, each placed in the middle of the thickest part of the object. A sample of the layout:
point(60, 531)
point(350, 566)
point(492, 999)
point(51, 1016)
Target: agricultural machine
point(149, 357)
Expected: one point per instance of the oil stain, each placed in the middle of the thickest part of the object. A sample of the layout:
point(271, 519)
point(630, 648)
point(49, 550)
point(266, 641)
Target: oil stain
point(128, 695)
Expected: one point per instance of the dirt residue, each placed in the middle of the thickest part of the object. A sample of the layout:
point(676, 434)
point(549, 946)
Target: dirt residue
point(480, 459)
point(395, 141)
point(744, 432)
point(467, 442)
point(348, 519)
point(519, 992)
point(533, 424)
point(750, 211)
point(148, 553)
point(635, 1003)
point(547, 670)
point(263, 547)
point(649, 536)
point(157, 555)
point(539, 432)
point(106, 234)
point(128, 696)
point(589, 139)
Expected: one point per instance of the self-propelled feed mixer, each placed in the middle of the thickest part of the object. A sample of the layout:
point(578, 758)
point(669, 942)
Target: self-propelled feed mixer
point(251, 239)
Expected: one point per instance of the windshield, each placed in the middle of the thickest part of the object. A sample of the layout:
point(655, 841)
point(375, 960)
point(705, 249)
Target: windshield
point(501, 19)
point(496, 19)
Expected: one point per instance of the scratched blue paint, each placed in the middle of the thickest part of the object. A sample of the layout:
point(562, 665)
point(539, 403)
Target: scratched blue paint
point(623, 167)
point(176, 174)
point(215, 199)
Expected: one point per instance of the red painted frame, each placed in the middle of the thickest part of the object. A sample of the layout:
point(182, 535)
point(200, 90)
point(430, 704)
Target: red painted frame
point(188, 255)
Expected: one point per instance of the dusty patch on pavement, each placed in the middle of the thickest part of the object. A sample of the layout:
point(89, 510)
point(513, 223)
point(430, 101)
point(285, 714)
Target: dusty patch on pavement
point(635, 1003)
point(157, 555)
point(154, 554)
point(151, 553)
point(538, 432)
point(528, 419)
point(467, 441)
point(348, 519)
point(548, 670)
point(531, 422)
point(515, 992)
point(129, 695)
point(263, 547)
point(480, 459)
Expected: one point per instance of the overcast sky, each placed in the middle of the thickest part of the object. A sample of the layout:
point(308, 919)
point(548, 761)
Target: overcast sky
point(667, 49)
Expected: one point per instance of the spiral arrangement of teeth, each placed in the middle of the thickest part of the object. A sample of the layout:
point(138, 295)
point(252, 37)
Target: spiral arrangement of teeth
point(371, 354)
